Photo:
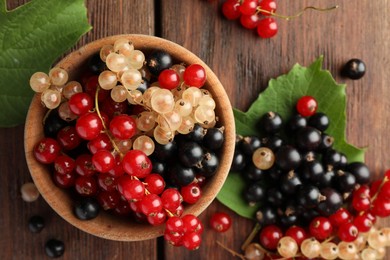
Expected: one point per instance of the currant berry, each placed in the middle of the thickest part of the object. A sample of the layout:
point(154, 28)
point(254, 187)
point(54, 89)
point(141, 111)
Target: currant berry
point(191, 240)
point(63, 164)
point(171, 199)
point(151, 204)
point(47, 150)
point(155, 183)
point(267, 28)
point(107, 182)
point(308, 139)
point(306, 106)
point(230, 9)
point(287, 247)
point(84, 166)
point(190, 154)
point(192, 224)
point(271, 122)
point(354, 69)
point(361, 198)
point(130, 189)
point(108, 199)
point(250, 21)
point(194, 76)
point(310, 248)
point(320, 228)
point(158, 61)
point(360, 171)
point(123, 127)
point(340, 217)
point(296, 122)
point(364, 222)
point(263, 158)
point(266, 215)
point(136, 163)
point(86, 186)
point(36, 224)
point(64, 181)
point(86, 209)
point(191, 193)
point(54, 248)
point(331, 201)
point(381, 207)
point(174, 225)
point(270, 236)
point(213, 139)
point(89, 126)
point(254, 193)
point(269, 6)
point(248, 7)
point(320, 121)
point(287, 158)
point(168, 79)
point(220, 221)
point(348, 232)
point(68, 138)
point(80, 103)
point(181, 175)
point(103, 161)
point(101, 142)
point(158, 218)
point(297, 233)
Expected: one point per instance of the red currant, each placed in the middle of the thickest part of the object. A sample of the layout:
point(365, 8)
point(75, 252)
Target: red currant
point(364, 222)
point(230, 9)
point(47, 150)
point(220, 221)
point(171, 199)
point(250, 21)
point(248, 7)
point(320, 228)
point(194, 76)
point(175, 239)
point(64, 164)
point(90, 88)
point(80, 103)
point(168, 79)
point(65, 181)
point(86, 186)
point(267, 5)
point(106, 182)
point(381, 207)
point(131, 189)
point(191, 223)
point(151, 204)
point(191, 240)
point(123, 127)
point(297, 233)
point(191, 193)
point(84, 165)
point(102, 141)
point(68, 138)
point(267, 28)
point(174, 225)
point(270, 236)
point(385, 190)
point(109, 199)
point(361, 198)
point(307, 106)
point(155, 183)
point(158, 218)
point(122, 209)
point(136, 163)
point(340, 217)
point(103, 161)
point(374, 188)
point(118, 169)
point(89, 126)
point(112, 108)
point(348, 232)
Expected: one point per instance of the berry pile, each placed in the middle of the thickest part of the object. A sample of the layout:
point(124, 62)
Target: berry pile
point(138, 136)
point(310, 196)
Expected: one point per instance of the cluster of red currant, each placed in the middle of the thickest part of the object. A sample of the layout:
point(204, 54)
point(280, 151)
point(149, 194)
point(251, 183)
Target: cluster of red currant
point(253, 14)
point(99, 137)
point(335, 208)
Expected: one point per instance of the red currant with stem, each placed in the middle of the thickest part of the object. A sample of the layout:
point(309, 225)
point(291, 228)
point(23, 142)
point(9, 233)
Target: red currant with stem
point(158, 218)
point(171, 199)
point(192, 224)
point(191, 240)
point(80, 103)
point(385, 190)
point(168, 79)
point(361, 199)
point(374, 187)
point(270, 236)
point(86, 186)
point(220, 221)
point(179, 210)
point(307, 106)
point(340, 217)
point(103, 161)
point(123, 127)
point(320, 228)
point(230, 9)
point(64, 164)
point(130, 189)
point(248, 7)
point(68, 138)
point(173, 238)
point(136, 163)
point(250, 21)
point(174, 225)
point(106, 182)
point(151, 204)
point(84, 166)
point(191, 193)
point(117, 171)
point(194, 75)
point(89, 126)
point(101, 142)
point(267, 5)
point(297, 233)
point(267, 28)
point(348, 232)
point(155, 183)
point(64, 181)
point(47, 150)
point(381, 207)
point(364, 222)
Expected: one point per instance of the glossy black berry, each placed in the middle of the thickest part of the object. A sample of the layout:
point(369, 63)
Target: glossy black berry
point(249, 144)
point(308, 139)
point(239, 161)
point(255, 192)
point(296, 122)
point(345, 181)
point(308, 196)
point(288, 218)
point(165, 152)
point(144, 85)
point(332, 158)
point(287, 158)
point(181, 175)
point(326, 142)
point(95, 64)
point(332, 202)
point(213, 139)
point(307, 215)
point(252, 173)
point(274, 197)
point(326, 179)
point(86, 208)
point(311, 170)
point(289, 182)
point(158, 61)
point(53, 124)
point(158, 166)
point(266, 216)
point(196, 134)
point(36, 224)
point(272, 142)
point(190, 154)
point(360, 171)
point(354, 69)
point(54, 248)
point(208, 165)
point(270, 122)
point(274, 173)
point(319, 121)
point(343, 161)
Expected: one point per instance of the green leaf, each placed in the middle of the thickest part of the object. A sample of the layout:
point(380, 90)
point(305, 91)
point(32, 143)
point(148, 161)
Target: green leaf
point(32, 37)
point(281, 96)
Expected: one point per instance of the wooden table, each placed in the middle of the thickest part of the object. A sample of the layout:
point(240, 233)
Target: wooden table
point(244, 63)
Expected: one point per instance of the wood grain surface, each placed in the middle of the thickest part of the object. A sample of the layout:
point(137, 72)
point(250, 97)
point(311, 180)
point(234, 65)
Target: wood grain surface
point(244, 64)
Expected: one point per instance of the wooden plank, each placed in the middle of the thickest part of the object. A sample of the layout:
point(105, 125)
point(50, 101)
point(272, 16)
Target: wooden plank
point(245, 63)
point(16, 242)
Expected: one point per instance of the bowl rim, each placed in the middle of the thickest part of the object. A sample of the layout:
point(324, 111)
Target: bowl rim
point(102, 226)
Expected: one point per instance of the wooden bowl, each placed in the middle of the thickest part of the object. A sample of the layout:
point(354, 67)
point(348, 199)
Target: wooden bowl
point(106, 225)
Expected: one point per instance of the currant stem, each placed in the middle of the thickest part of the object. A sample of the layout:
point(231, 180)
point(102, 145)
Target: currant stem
point(251, 236)
point(234, 253)
point(116, 148)
point(288, 17)
point(386, 179)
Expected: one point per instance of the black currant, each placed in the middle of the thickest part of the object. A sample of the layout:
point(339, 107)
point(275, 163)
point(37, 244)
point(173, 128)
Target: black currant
point(196, 134)
point(213, 139)
point(320, 121)
point(345, 181)
point(266, 215)
point(274, 173)
point(36, 224)
point(331, 157)
point(326, 179)
point(354, 69)
point(144, 85)
point(326, 142)
point(343, 161)
point(308, 196)
point(311, 170)
point(182, 175)
point(287, 158)
point(190, 153)
point(272, 142)
point(53, 124)
point(274, 197)
point(271, 122)
point(86, 208)
point(360, 171)
point(289, 217)
point(296, 122)
point(289, 182)
point(95, 64)
point(254, 193)
point(239, 161)
point(308, 139)
point(158, 166)
point(249, 144)
point(208, 165)
point(252, 173)
point(165, 151)
point(307, 215)
point(54, 248)
point(158, 61)
point(333, 202)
